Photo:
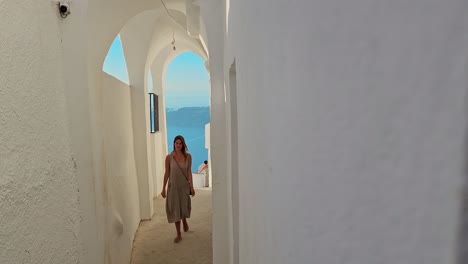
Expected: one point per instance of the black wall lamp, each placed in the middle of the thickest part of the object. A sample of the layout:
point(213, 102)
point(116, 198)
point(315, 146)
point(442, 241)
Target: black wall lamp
point(64, 9)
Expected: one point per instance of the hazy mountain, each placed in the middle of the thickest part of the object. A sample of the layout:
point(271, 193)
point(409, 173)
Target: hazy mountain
point(188, 116)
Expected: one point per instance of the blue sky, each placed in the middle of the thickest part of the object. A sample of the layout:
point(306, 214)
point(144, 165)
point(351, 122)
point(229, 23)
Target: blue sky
point(115, 64)
point(186, 81)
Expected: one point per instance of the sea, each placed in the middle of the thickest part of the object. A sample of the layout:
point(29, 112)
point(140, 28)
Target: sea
point(190, 123)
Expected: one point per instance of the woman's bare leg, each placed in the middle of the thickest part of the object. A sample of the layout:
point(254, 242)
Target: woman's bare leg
point(179, 235)
point(186, 227)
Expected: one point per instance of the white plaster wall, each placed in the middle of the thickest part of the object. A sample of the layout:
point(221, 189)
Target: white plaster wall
point(352, 124)
point(153, 175)
point(212, 13)
point(122, 183)
point(39, 204)
point(193, 18)
point(74, 39)
point(136, 36)
point(159, 56)
point(207, 146)
point(159, 147)
point(159, 138)
point(207, 136)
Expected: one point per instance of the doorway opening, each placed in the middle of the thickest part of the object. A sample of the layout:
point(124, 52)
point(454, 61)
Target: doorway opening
point(187, 100)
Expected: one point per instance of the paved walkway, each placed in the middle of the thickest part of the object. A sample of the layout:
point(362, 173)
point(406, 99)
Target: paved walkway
point(154, 239)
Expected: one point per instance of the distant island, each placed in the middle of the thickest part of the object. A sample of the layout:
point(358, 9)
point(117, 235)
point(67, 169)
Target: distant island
point(188, 116)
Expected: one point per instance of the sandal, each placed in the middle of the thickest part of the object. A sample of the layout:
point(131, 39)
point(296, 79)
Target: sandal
point(177, 239)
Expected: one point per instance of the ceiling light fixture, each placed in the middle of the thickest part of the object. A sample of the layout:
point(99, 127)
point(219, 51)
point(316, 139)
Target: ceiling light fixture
point(173, 34)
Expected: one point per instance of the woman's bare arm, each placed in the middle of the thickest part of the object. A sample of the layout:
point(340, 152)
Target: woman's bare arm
point(189, 173)
point(166, 175)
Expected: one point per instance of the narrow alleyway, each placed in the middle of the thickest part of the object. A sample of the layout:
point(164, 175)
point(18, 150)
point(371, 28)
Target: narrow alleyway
point(154, 239)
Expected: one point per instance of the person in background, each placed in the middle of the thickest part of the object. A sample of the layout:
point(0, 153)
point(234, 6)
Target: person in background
point(178, 178)
point(203, 168)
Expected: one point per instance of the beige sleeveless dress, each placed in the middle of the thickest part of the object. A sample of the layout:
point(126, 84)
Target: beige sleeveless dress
point(178, 203)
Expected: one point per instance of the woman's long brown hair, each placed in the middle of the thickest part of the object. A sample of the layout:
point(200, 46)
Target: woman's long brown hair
point(184, 146)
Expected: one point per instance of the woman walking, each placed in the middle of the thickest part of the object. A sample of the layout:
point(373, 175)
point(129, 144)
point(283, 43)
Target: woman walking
point(178, 178)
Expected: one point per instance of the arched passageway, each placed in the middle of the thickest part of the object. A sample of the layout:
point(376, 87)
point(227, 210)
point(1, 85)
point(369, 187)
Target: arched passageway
point(185, 99)
point(133, 154)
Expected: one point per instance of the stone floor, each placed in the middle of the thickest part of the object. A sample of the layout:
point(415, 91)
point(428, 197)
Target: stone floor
point(154, 239)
